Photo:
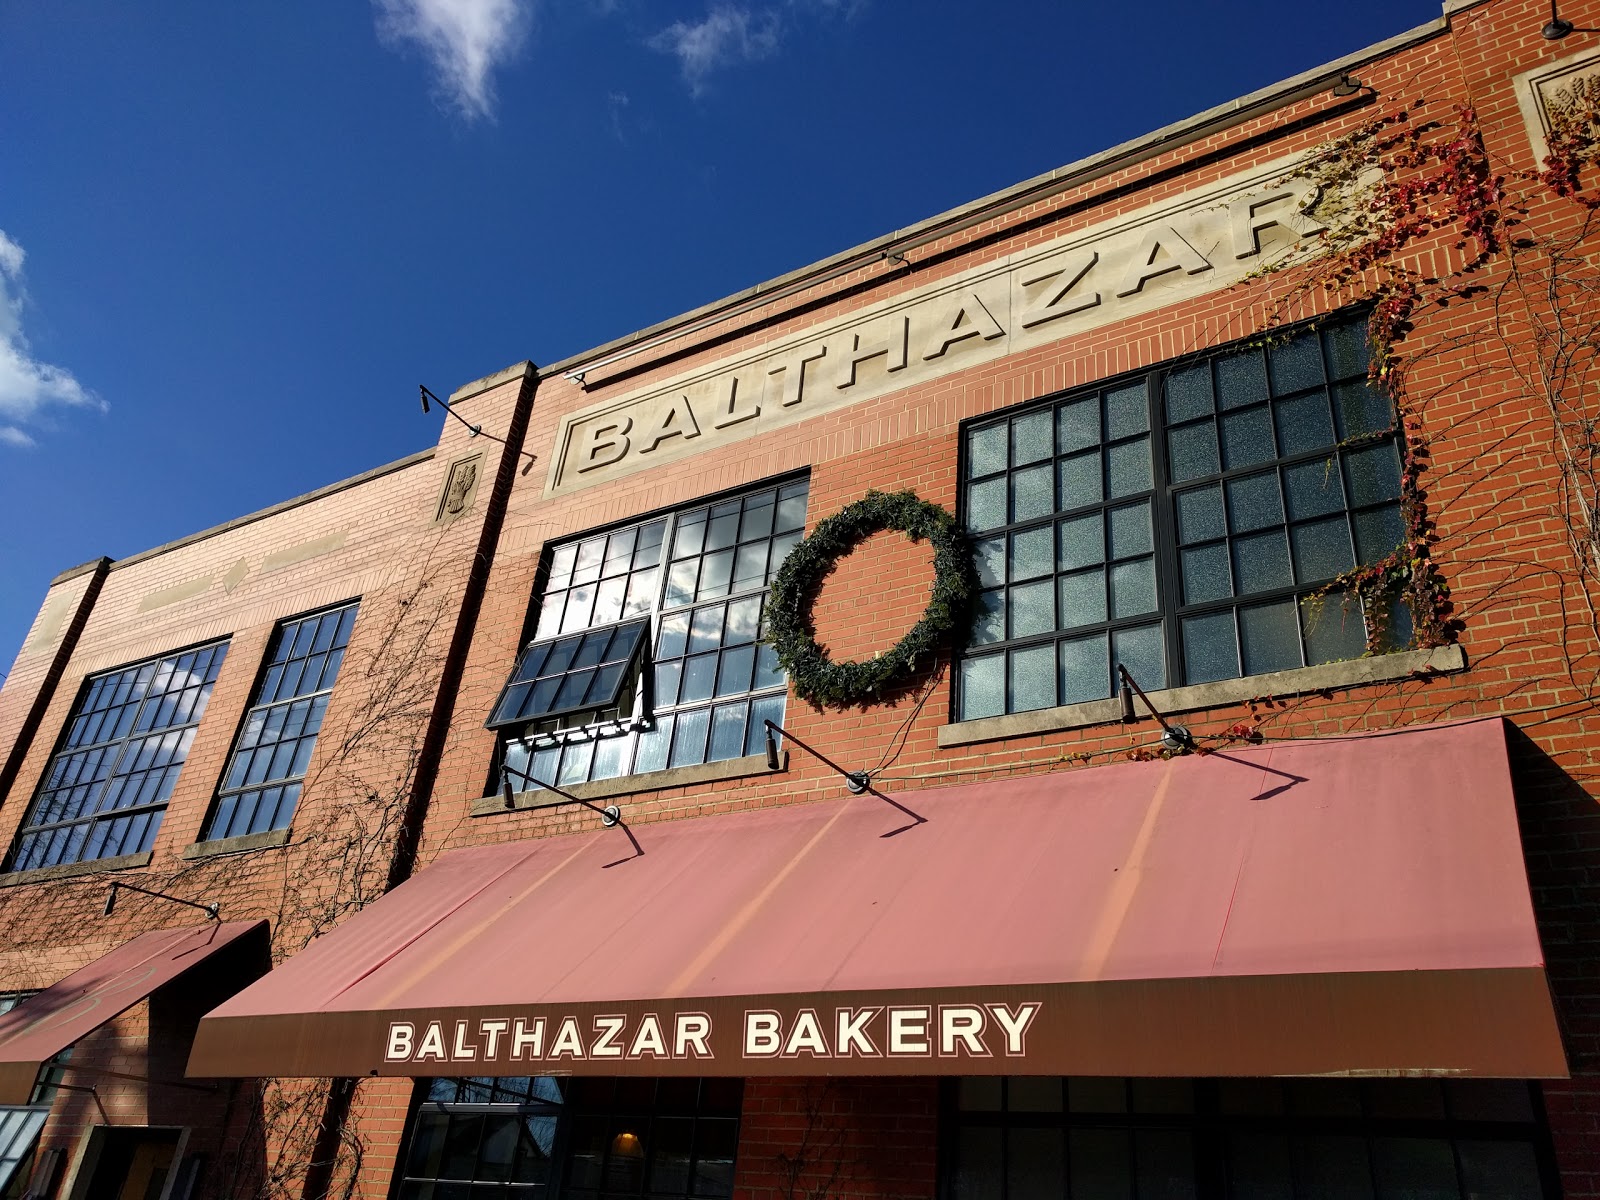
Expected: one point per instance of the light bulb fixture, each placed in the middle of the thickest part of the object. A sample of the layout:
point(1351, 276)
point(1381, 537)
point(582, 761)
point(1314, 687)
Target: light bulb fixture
point(1175, 738)
point(773, 762)
point(1555, 28)
point(610, 815)
point(1348, 85)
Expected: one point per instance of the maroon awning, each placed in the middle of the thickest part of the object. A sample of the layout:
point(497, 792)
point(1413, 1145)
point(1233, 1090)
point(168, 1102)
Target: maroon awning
point(45, 1024)
point(1346, 905)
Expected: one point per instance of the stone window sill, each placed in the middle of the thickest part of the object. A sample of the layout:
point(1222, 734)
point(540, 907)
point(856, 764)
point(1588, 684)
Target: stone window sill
point(626, 785)
point(241, 844)
point(1379, 668)
point(123, 862)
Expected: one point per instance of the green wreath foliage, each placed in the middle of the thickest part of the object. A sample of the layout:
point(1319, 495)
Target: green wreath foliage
point(794, 589)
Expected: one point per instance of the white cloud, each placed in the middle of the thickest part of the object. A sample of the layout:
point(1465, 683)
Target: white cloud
point(465, 40)
point(28, 387)
point(729, 34)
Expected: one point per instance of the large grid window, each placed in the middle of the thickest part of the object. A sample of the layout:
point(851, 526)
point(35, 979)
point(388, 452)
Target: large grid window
point(582, 1139)
point(1251, 1139)
point(706, 680)
point(1182, 523)
point(262, 784)
point(106, 789)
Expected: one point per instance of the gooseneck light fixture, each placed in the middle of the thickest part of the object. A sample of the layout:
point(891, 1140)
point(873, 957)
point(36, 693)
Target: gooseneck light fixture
point(210, 910)
point(1176, 738)
point(1556, 27)
point(609, 815)
point(857, 782)
point(472, 430)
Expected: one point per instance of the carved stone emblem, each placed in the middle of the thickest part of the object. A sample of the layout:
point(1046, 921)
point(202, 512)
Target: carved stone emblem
point(460, 485)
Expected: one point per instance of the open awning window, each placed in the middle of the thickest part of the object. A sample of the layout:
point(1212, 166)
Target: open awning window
point(19, 1132)
point(581, 672)
point(46, 1023)
point(1346, 905)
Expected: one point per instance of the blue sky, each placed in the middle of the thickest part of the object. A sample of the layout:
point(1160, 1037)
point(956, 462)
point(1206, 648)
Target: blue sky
point(234, 237)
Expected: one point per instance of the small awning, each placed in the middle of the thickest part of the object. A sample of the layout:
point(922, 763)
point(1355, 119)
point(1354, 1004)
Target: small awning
point(1350, 905)
point(45, 1024)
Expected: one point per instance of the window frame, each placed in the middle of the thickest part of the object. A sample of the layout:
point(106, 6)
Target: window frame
point(222, 793)
point(1170, 609)
point(64, 748)
point(646, 711)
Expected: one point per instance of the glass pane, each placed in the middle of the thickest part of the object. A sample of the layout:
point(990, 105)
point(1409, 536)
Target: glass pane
point(1130, 531)
point(1078, 425)
point(1258, 1168)
point(1499, 1170)
point(1033, 678)
point(1295, 365)
point(1346, 347)
point(727, 732)
point(1192, 452)
point(1127, 411)
point(1331, 1168)
point(986, 504)
point(1140, 650)
point(1321, 550)
point(1089, 1094)
point(758, 514)
point(990, 556)
point(1374, 474)
point(1378, 532)
point(1083, 599)
point(1033, 493)
point(1334, 630)
point(1165, 1165)
point(1031, 1093)
point(1489, 1100)
point(1313, 489)
point(1033, 553)
point(1200, 515)
point(1269, 637)
point(986, 450)
point(978, 1164)
point(1128, 468)
point(791, 508)
point(762, 710)
point(1362, 409)
point(1246, 438)
point(1205, 573)
point(716, 571)
point(1404, 1099)
point(1031, 438)
point(699, 678)
point(983, 687)
point(1080, 480)
point(1261, 562)
point(1241, 380)
point(978, 1093)
point(1160, 1095)
point(1188, 393)
point(689, 740)
point(989, 618)
point(705, 630)
point(1133, 588)
point(733, 675)
point(1415, 1169)
point(1033, 608)
point(1082, 541)
point(1036, 1166)
point(680, 582)
point(1101, 1164)
point(1209, 652)
point(744, 620)
point(1303, 423)
point(1254, 503)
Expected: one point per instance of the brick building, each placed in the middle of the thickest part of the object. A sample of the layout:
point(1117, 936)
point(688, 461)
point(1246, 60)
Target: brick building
point(1246, 846)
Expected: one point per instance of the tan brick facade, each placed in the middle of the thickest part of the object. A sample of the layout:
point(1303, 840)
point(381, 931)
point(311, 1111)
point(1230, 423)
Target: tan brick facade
point(445, 608)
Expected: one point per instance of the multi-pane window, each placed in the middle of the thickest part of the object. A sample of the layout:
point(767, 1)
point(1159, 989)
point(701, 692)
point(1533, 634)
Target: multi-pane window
point(106, 789)
point(582, 1139)
point(1184, 523)
point(1046, 1138)
point(581, 708)
point(262, 784)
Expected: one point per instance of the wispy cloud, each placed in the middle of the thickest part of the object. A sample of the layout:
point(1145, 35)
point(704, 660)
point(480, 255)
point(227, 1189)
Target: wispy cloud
point(28, 387)
point(617, 104)
point(729, 34)
point(464, 40)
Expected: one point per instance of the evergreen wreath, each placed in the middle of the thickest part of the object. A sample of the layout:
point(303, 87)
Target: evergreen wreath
point(794, 589)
